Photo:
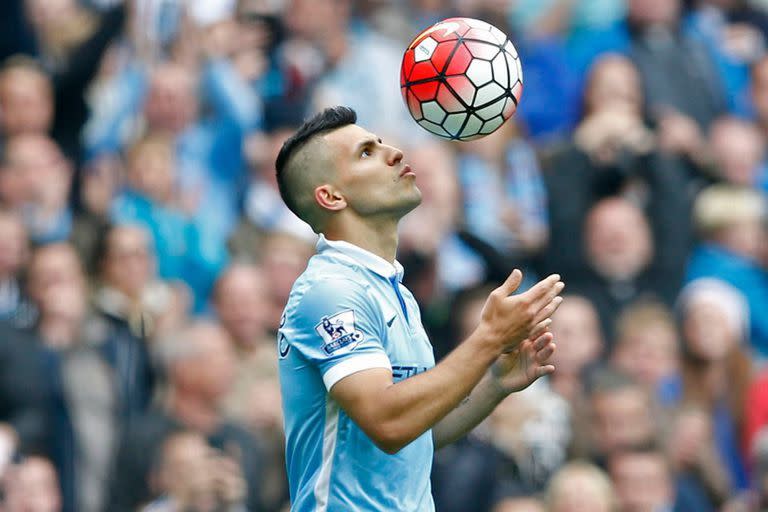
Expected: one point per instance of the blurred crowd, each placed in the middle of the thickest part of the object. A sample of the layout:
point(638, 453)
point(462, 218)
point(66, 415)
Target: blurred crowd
point(146, 256)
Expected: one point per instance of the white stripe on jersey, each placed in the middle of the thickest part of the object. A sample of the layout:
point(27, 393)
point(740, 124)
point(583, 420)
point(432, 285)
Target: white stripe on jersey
point(323, 483)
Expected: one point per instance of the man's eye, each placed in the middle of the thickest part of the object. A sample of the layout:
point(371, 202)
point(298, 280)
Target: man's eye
point(365, 153)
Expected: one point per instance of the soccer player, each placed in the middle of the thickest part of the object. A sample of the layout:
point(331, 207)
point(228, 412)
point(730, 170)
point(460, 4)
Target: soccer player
point(365, 405)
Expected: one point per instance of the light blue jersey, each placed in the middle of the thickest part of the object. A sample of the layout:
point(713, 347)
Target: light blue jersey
point(346, 313)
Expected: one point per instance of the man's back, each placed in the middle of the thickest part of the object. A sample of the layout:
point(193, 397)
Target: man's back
point(348, 313)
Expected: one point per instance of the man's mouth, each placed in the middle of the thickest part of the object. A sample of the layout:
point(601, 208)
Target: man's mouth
point(407, 171)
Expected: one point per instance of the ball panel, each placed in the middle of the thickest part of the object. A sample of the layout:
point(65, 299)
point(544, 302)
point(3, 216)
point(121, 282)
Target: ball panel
point(492, 110)
point(510, 107)
point(422, 71)
point(462, 87)
point(442, 54)
point(425, 91)
point(459, 62)
point(483, 35)
point(489, 93)
point(407, 67)
point(479, 72)
point(492, 125)
point(501, 38)
point(454, 122)
point(433, 112)
point(510, 49)
point(517, 91)
point(414, 106)
point(482, 50)
point(475, 23)
point(472, 127)
point(519, 70)
point(448, 100)
point(500, 70)
point(434, 128)
point(425, 49)
point(513, 70)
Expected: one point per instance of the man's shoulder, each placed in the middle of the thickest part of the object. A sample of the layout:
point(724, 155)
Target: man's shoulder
point(327, 276)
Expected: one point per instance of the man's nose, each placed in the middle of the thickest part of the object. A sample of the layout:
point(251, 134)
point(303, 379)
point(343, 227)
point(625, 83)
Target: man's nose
point(395, 156)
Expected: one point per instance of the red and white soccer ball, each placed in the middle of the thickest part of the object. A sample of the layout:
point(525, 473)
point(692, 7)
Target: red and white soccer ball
point(461, 78)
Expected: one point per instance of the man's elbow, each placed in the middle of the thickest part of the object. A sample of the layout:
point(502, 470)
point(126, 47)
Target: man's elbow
point(390, 438)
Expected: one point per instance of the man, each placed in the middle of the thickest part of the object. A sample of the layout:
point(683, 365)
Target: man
point(366, 406)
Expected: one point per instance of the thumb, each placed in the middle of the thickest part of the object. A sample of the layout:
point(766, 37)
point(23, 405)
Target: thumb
point(512, 283)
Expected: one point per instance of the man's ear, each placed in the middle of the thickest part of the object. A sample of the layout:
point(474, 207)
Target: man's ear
point(329, 198)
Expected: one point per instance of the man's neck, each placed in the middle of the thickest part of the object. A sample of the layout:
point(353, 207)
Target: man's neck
point(378, 237)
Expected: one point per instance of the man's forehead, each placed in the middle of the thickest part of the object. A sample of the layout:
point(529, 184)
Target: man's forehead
point(347, 137)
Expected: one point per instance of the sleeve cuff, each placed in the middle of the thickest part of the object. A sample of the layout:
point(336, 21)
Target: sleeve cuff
point(355, 364)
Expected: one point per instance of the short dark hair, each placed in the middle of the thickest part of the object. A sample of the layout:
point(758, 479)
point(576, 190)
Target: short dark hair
point(327, 120)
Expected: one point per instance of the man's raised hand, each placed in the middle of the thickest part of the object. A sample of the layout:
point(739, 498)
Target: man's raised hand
point(507, 320)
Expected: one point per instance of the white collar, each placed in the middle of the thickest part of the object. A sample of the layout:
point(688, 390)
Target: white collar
point(365, 258)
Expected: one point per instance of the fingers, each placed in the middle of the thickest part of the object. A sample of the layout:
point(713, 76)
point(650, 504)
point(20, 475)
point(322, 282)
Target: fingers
point(541, 371)
point(543, 355)
point(541, 341)
point(512, 283)
point(548, 310)
point(540, 290)
point(549, 294)
point(540, 328)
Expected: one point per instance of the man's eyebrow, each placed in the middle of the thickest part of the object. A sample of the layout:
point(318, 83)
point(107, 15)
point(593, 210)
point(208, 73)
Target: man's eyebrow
point(368, 141)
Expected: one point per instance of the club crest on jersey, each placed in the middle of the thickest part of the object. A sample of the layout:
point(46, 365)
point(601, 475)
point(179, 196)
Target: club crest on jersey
point(338, 332)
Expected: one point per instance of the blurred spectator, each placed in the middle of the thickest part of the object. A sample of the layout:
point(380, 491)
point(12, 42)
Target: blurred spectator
point(730, 221)
point(445, 257)
point(264, 210)
point(756, 414)
point(199, 363)
point(151, 202)
point(26, 98)
point(207, 142)
point(580, 487)
point(683, 91)
point(283, 258)
point(241, 301)
point(693, 456)
point(576, 328)
point(31, 486)
point(734, 33)
point(619, 249)
point(129, 293)
point(349, 79)
point(504, 199)
point(519, 505)
point(716, 370)
point(14, 251)
point(621, 416)
point(614, 153)
point(738, 151)
point(759, 456)
point(89, 392)
point(648, 348)
point(643, 481)
point(71, 42)
point(23, 395)
point(36, 181)
point(192, 476)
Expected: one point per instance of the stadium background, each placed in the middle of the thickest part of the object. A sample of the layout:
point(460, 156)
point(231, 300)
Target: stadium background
point(145, 254)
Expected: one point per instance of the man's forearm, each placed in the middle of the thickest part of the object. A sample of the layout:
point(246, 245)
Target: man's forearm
point(405, 410)
point(474, 409)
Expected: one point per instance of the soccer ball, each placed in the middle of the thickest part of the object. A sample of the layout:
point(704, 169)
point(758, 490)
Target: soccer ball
point(461, 78)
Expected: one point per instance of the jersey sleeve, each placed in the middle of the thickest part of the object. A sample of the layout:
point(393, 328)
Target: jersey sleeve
point(336, 327)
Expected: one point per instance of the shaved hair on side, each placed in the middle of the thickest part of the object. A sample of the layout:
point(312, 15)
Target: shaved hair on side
point(300, 161)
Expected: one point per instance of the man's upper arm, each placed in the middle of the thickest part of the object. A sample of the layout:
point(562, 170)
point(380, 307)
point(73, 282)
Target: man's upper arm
point(338, 329)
